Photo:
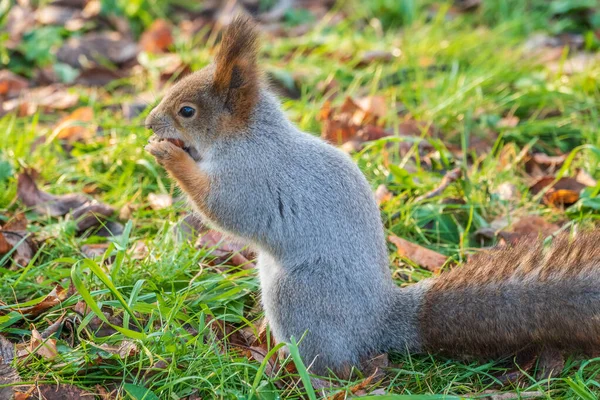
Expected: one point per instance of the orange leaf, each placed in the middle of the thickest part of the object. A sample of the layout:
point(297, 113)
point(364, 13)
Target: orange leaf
point(157, 38)
point(45, 348)
point(427, 258)
point(76, 126)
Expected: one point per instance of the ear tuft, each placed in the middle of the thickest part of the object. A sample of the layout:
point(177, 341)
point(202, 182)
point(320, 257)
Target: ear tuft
point(236, 73)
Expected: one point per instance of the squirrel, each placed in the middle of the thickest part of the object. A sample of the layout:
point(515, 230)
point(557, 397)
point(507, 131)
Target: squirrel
point(322, 257)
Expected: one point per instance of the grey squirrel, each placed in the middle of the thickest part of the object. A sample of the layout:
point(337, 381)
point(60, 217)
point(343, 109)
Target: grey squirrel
point(322, 259)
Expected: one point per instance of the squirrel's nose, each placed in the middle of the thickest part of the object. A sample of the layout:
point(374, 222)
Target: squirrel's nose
point(149, 121)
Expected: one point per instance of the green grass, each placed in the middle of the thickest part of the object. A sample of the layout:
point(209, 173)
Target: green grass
point(165, 299)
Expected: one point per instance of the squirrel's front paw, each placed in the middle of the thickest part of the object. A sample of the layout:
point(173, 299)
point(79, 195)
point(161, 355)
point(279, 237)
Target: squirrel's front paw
point(166, 152)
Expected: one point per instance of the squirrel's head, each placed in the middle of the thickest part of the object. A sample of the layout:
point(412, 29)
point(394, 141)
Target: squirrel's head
point(215, 101)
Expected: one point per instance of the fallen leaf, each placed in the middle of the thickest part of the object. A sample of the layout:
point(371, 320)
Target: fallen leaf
point(19, 20)
point(376, 365)
point(140, 250)
point(540, 164)
point(11, 84)
point(55, 297)
point(94, 250)
point(45, 203)
point(125, 349)
point(56, 15)
point(531, 226)
point(159, 201)
point(93, 49)
point(585, 178)
point(91, 214)
point(354, 120)
point(420, 255)
point(99, 75)
point(16, 223)
point(47, 98)
point(76, 126)
point(96, 325)
point(507, 192)
point(224, 250)
point(45, 348)
point(563, 193)
point(157, 38)
point(5, 247)
point(8, 375)
point(372, 56)
point(575, 64)
point(86, 212)
point(25, 246)
point(382, 194)
point(492, 395)
point(509, 121)
point(63, 392)
point(188, 228)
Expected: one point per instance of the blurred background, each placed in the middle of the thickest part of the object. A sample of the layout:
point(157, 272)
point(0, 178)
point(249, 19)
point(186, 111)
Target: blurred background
point(475, 121)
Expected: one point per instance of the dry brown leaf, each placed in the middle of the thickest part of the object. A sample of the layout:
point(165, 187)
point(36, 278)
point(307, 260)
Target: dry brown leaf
point(45, 348)
point(509, 121)
point(157, 38)
point(19, 20)
point(507, 191)
point(125, 349)
point(56, 296)
point(11, 84)
point(540, 164)
point(159, 201)
point(57, 15)
point(531, 226)
point(92, 49)
point(355, 120)
point(94, 250)
point(99, 327)
point(63, 392)
point(492, 395)
point(8, 375)
point(585, 178)
point(431, 260)
point(25, 246)
point(16, 223)
point(372, 56)
point(382, 194)
point(561, 198)
point(91, 215)
point(563, 193)
point(86, 212)
point(140, 250)
point(224, 250)
point(47, 98)
point(76, 126)
point(375, 372)
point(45, 203)
point(5, 247)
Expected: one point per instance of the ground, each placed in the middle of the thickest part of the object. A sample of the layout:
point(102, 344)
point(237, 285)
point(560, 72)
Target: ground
point(476, 123)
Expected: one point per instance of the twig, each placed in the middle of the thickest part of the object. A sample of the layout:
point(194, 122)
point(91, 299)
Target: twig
point(451, 176)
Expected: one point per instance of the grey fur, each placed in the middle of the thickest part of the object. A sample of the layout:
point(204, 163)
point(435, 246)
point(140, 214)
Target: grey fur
point(323, 262)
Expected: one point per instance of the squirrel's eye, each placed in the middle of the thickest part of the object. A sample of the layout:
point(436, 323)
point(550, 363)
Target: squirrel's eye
point(187, 112)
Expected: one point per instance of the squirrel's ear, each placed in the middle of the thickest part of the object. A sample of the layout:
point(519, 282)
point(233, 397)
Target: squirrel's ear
point(236, 72)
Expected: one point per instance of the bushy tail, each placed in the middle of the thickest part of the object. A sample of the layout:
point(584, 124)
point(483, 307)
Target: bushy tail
point(515, 297)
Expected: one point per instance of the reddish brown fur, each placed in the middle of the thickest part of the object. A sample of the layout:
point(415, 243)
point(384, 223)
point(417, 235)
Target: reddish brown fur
point(184, 170)
point(236, 73)
point(517, 297)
